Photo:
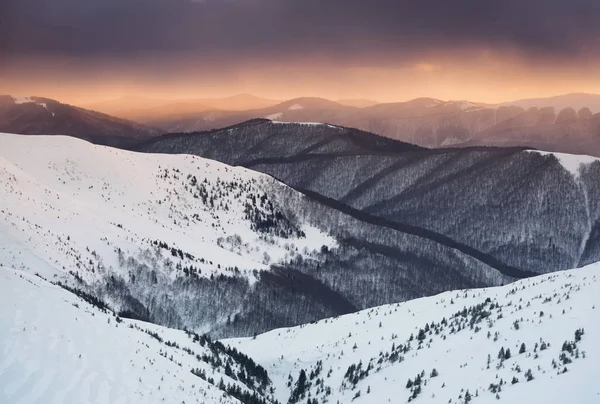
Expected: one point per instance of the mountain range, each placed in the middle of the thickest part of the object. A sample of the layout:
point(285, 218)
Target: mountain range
point(147, 109)
point(211, 247)
point(233, 252)
point(530, 341)
point(523, 208)
point(561, 124)
point(334, 264)
point(43, 116)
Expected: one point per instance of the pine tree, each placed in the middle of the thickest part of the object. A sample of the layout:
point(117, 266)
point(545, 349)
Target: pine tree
point(523, 348)
point(529, 375)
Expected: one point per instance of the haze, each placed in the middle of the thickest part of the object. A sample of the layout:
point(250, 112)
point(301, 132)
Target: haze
point(88, 50)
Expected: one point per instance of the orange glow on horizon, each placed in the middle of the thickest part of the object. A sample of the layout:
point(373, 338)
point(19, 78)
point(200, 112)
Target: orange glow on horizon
point(476, 76)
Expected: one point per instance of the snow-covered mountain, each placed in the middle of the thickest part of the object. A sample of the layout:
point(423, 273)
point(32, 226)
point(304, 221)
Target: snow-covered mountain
point(528, 342)
point(94, 239)
point(524, 209)
point(531, 341)
point(60, 348)
point(129, 225)
point(187, 242)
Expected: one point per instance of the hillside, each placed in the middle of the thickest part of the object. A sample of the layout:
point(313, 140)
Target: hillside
point(559, 102)
point(305, 109)
point(154, 110)
point(566, 124)
point(43, 116)
point(525, 209)
point(61, 348)
point(531, 341)
point(542, 129)
point(187, 242)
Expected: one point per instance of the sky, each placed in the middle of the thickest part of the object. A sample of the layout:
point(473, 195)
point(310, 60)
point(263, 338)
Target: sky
point(387, 50)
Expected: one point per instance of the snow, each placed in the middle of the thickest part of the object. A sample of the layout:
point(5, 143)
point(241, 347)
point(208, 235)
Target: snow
point(56, 348)
point(23, 100)
point(74, 205)
point(296, 107)
point(467, 105)
point(569, 301)
point(210, 117)
point(65, 204)
point(277, 115)
point(305, 123)
point(464, 105)
point(434, 103)
point(571, 162)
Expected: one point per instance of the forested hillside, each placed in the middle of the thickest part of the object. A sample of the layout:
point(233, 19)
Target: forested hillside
point(528, 210)
point(192, 243)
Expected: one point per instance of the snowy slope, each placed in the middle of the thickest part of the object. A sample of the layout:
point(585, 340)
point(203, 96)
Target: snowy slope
point(571, 162)
point(369, 356)
point(69, 209)
point(57, 348)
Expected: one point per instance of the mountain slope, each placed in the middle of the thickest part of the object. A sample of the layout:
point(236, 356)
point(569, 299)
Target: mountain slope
point(523, 208)
point(149, 110)
point(187, 242)
point(43, 116)
point(563, 125)
point(541, 129)
point(559, 102)
point(436, 349)
point(59, 348)
point(453, 347)
point(357, 102)
point(305, 109)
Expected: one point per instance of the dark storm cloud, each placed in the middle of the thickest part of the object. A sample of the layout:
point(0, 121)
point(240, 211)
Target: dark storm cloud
point(237, 29)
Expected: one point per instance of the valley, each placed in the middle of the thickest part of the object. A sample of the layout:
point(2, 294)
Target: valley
point(531, 340)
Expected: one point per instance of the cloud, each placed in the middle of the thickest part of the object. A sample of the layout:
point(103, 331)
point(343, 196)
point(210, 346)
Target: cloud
point(242, 29)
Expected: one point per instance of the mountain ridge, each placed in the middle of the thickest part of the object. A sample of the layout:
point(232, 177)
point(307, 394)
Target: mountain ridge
point(44, 116)
point(405, 184)
point(203, 245)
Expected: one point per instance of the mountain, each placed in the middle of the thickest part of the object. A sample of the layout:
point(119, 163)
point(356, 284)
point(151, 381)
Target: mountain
point(61, 347)
point(523, 209)
point(43, 116)
point(152, 110)
point(426, 122)
point(531, 341)
point(191, 243)
point(357, 102)
point(559, 102)
point(307, 109)
point(117, 106)
point(239, 102)
point(408, 121)
point(544, 129)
